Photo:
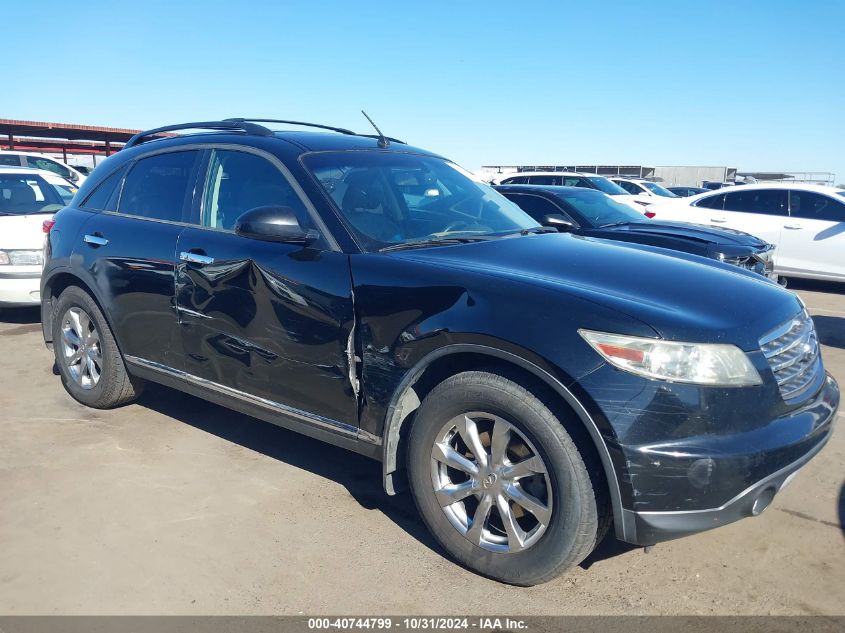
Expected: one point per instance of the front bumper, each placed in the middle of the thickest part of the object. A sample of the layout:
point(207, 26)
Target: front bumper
point(20, 289)
point(644, 527)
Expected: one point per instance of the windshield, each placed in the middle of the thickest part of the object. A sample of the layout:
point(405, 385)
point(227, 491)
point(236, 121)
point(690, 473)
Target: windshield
point(597, 209)
point(841, 193)
point(607, 186)
point(393, 198)
point(21, 194)
point(657, 189)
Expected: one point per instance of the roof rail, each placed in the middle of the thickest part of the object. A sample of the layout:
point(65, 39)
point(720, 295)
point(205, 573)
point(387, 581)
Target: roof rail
point(240, 125)
point(342, 130)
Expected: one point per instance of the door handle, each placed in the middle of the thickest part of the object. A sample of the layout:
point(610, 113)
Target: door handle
point(96, 240)
point(793, 226)
point(719, 220)
point(196, 258)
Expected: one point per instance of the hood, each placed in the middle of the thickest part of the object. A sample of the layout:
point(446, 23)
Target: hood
point(22, 232)
point(682, 297)
point(694, 232)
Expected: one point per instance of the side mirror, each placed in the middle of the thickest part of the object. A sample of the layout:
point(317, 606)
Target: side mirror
point(557, 221)
point(274, 224)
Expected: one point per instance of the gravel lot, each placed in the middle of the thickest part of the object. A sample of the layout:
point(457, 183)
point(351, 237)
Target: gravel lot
point(176, 506)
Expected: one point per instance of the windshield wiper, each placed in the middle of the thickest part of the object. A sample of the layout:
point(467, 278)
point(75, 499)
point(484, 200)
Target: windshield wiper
point(623, 223)
point(439, 241)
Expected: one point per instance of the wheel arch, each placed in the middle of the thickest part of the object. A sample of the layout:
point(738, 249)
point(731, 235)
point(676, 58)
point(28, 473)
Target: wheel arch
point(52, 287)
point(463, 356)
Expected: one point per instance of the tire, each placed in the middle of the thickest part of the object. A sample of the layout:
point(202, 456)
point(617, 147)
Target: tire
point(515, 545)
point(87, 356)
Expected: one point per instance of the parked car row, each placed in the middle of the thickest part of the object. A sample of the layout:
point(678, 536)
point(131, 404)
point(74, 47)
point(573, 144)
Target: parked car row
point(593, 214)
point(11, 158)
point(533, 388)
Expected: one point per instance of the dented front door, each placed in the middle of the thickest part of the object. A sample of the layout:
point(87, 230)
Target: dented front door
point(270, 321)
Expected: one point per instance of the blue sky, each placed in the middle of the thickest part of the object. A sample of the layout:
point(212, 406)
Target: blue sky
point(755, 85)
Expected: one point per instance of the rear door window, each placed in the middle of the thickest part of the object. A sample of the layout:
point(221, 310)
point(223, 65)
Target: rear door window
point(160, 187)
point(11, 160)
point(815, 206)
point(761, 201)
point(39, 162)
point(630, 187)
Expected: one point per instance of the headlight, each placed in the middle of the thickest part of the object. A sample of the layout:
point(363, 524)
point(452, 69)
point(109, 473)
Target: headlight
point(21, 258)
point(697, 363)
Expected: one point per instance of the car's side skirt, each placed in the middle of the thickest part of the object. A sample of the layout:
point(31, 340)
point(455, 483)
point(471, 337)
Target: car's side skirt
point(321, 428)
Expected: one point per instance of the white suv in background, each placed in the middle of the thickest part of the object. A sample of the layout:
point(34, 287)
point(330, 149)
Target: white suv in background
point(806, 222)
point(40, 161)
point(573, 179)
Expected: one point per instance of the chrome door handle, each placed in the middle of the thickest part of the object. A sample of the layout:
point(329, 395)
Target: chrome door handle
point(792, 226)
point(95, 240)
point(196, 258)
point(719, 220)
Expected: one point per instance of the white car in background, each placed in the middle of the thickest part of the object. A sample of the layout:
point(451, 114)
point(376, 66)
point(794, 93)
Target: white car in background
point(11, 158)
point(644, 191)
point(573, 179)
point(28, 198)
point(805, 222)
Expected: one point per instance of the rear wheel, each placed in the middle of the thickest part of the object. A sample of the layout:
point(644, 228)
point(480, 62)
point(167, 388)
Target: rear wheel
point(87, 356)
point(499, 482)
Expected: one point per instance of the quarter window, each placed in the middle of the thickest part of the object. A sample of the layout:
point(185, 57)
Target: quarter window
point(815, 206)
point(105, 195)
point(159, 187)
point(762, 201)
point(240, 181)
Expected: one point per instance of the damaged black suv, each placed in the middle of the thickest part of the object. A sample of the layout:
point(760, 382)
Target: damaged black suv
point(530, 390)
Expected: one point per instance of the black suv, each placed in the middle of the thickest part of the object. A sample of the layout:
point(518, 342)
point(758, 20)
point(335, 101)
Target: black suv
point(528, 387)
point(593, 214)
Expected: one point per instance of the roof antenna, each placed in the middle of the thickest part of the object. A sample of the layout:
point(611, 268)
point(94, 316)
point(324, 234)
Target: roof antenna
point(382, 139)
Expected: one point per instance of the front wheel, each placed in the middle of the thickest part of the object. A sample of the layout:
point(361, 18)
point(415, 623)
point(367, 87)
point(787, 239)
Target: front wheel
point(499, 482)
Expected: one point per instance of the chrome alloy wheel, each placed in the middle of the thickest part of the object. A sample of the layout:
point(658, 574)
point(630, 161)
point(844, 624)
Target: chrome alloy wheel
point(491, 482)
point(81, 349)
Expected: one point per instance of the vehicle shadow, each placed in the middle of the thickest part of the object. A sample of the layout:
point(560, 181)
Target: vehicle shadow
point(360, 475)
point(814, 285)
point(20, 315)
point(830, 330)
point(610, 547)
point(842, 509)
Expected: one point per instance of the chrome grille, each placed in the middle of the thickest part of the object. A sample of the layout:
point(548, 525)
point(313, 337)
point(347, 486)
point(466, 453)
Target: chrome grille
point(793, 354)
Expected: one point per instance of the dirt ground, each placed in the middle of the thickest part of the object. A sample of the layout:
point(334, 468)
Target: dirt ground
point(176, 506)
